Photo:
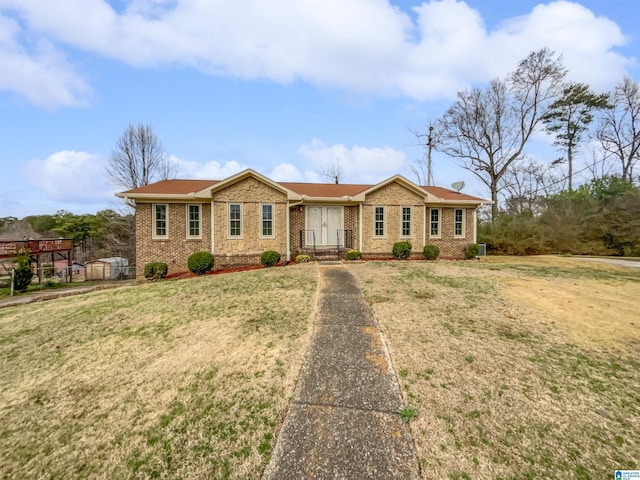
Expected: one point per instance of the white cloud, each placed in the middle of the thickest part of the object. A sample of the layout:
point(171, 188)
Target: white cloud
point(584, 40)
point(42, 75)
point(286, 172)
point(70, 176)
point(360, 45)
point(358, 164)
point(211, 170)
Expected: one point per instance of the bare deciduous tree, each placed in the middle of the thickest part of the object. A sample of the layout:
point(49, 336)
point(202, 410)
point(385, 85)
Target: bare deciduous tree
point(138, 159)
point(331, 170)
point(422, 167)
point(619, 132)
point(526, 184)
point(18, 229)
point(487, 130)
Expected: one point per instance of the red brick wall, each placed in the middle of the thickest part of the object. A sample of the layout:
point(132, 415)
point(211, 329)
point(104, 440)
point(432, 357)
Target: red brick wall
point(451, 246)
point(296, 220)
point(174, 250)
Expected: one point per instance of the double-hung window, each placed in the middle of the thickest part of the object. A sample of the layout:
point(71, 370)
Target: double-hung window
point(266, 220)
point(235, 220)
point(160, 220)
point(405, 227)
point(194, 214)
point(458, 225)
point(378, 222)
point(434, 222)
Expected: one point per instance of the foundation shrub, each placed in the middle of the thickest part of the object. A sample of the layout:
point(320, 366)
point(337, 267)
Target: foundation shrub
point(353, 255)
point(401, 250)
point(471, 250)
point(303, 258)
point(155, 270)
point(431, 252)
point(200, 262)
point(269, 258)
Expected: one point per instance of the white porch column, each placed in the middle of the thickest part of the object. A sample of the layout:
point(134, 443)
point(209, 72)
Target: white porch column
point(475, 225)
point(424, 225)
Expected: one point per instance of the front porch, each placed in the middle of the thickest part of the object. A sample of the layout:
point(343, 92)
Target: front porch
point(308, 244)
point(323, 231)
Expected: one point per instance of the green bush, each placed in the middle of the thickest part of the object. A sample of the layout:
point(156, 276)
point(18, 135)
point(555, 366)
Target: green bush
point(155, 270)
point(269, 258)
point(22, 275)
point(431, 252)
point(353, 255)
point(471, 251)
point(200, 262)
point(401, 250)
point(302, 258)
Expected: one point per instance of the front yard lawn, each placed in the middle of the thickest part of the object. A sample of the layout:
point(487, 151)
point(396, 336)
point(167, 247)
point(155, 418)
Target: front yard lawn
point(518, 368)
point(176, 379)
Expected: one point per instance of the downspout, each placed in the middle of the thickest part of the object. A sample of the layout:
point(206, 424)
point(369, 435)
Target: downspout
point(475, 225)
point(424, 225)
point(288, 215)
point(360, 227)
point(213, 250)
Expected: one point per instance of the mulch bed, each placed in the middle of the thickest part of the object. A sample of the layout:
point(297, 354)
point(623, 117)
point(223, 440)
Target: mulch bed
point(243, 268)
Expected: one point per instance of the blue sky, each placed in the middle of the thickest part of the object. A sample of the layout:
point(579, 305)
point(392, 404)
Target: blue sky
point(281, 86)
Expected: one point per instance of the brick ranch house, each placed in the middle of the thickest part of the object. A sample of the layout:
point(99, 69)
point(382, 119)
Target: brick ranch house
point(238, 218)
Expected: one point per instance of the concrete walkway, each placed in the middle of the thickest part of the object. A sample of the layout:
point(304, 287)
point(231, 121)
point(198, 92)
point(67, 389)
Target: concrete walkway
point(342, 423)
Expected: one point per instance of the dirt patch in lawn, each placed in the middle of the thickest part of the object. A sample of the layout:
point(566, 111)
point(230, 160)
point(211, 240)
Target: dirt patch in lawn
point(594, 304)
point(518, 367)
point(592, 313)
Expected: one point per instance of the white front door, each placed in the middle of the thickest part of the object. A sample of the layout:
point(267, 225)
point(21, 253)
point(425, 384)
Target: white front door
point(324, 226)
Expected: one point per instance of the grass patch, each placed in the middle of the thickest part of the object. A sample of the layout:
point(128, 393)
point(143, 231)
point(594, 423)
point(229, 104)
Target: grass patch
point(520, 370)
point(175, 379)
point(5, 291)
point(553, 267)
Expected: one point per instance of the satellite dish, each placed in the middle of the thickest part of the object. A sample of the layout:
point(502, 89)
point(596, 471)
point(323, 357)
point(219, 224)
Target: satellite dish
point(457, 186)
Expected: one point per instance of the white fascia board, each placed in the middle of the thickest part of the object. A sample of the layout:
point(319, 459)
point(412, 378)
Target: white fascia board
point(155, 197)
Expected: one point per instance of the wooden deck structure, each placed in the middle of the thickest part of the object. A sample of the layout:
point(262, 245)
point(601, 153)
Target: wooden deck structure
point(40, 251)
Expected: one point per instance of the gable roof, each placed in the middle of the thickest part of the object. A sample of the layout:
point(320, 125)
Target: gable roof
point(206, 192)
point(168, 188)
point(395, 179)
point(190, 189)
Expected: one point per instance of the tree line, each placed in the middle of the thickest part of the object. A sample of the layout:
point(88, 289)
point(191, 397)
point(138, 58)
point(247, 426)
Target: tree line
point(104, 234)
point(600, 217)
point(536, 205)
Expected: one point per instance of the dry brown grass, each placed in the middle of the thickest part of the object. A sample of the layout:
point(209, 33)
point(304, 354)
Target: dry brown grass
point(519, 368)
point(179, 379)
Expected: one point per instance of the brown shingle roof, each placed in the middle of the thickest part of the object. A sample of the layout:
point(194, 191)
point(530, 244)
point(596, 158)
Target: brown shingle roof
point(446, 194)
point(174, 187)
point(322, 190)
point(332, 190)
